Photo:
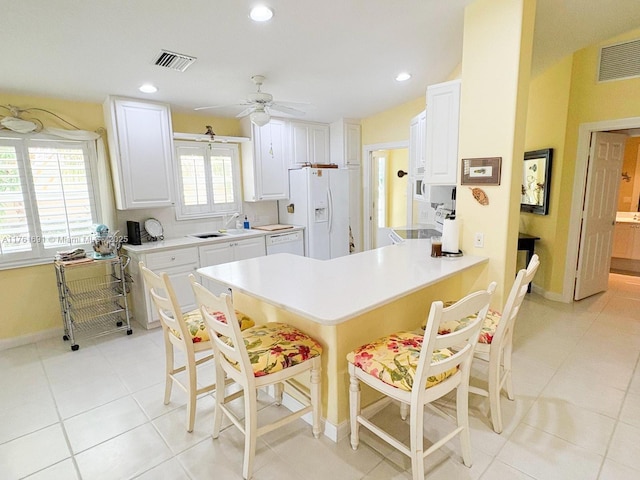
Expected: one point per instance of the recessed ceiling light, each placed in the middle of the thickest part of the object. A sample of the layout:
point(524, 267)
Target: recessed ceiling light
point(148, 88)
point(403, 77)
point(261, 13)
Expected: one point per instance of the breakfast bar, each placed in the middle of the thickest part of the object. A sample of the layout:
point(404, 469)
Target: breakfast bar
point(347, 301)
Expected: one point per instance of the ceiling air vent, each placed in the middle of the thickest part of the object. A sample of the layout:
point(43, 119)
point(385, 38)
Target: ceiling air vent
point(619, 61)
point(173, 60)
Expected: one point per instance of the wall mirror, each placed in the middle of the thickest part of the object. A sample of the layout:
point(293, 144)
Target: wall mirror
point(536, 181)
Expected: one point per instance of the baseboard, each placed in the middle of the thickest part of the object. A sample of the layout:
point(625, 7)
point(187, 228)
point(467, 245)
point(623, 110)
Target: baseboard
point(7, 343)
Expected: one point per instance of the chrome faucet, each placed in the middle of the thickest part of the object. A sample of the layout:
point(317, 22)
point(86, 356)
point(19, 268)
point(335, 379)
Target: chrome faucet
point(235, 215)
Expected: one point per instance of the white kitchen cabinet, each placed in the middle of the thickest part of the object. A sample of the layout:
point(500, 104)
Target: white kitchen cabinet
point(345, 142)
point(309, 143)
point(626, 240)
point(441, 141)
point(265, 161)
point(229, 251)
point(178, 263)
point(141, 151)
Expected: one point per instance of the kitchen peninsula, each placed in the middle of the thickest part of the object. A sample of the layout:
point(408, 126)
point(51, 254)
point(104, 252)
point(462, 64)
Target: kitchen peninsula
point(347, 301)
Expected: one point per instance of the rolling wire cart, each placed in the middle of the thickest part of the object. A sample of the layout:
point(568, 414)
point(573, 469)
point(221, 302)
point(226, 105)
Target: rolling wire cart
point(96, 305)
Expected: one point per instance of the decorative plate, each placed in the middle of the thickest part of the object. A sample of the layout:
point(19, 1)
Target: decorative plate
point(153, 227)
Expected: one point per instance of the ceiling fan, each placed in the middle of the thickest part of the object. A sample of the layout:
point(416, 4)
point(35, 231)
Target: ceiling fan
point(259, 105)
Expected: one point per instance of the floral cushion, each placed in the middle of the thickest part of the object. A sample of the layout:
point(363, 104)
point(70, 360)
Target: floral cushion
point(198, 330)
point(275, 346)
point(394, 359)
point(487, 331)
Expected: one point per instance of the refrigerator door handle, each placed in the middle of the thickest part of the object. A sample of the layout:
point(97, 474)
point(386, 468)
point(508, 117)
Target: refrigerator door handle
point(330, 202)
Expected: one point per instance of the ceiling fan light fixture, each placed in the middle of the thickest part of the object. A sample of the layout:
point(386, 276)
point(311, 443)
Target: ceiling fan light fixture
point(403, 76)
point(261, 13)
point(260, 118)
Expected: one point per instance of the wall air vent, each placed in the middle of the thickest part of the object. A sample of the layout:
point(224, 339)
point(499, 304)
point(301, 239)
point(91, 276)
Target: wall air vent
point(173, 60)
point(619, 61)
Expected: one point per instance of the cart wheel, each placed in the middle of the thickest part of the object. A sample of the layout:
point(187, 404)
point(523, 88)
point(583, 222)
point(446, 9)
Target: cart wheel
point(118, 324)
point(75, 347)
point(65, 337)
point(129, 332)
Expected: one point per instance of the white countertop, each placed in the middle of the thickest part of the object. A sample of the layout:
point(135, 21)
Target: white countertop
point(627, 217)
point(189, 241)
point(333, 291)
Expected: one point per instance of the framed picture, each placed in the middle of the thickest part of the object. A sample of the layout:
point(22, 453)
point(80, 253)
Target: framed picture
point(481, 171)
point(536, 181)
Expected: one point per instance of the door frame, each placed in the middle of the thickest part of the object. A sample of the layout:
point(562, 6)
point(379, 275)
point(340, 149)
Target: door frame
point(579, 185)
point(367, 179)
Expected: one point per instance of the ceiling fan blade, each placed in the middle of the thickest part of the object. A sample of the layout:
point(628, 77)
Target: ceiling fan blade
point(284, 109)
point(223, 106)
point(246, 111)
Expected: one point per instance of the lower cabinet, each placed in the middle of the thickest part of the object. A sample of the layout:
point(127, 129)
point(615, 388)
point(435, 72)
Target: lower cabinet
point(626, 240)
point(217, 253)
point(178, 263)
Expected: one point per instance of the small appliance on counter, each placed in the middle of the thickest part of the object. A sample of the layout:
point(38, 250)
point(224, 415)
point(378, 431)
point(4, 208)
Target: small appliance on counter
point(105, 246)
point(134, 235)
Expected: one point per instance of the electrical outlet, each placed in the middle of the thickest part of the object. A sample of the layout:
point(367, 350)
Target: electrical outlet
point(478, 240)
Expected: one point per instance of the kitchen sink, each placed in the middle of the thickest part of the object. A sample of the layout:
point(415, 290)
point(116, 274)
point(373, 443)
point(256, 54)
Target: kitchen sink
point(208, 235)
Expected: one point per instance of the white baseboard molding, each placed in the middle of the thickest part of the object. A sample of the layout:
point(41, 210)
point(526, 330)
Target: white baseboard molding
point(555, 297)
point(7, 343)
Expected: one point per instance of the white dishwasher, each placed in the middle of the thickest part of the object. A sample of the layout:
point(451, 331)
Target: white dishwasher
point(285, 242)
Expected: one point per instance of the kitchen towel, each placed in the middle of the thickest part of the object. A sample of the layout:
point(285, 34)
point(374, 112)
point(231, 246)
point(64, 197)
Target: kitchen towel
point(450, 235)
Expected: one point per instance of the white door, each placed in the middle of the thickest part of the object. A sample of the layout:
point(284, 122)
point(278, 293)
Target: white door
point(599, 213)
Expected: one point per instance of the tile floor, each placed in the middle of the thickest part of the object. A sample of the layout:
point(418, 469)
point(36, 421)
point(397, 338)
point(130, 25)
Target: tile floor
point(97, 413)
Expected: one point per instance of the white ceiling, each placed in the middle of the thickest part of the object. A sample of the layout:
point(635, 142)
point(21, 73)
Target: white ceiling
point(340, 55)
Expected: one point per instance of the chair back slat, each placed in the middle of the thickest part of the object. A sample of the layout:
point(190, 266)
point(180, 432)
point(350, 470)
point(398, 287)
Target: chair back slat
point(164, 299)
point(224, 330)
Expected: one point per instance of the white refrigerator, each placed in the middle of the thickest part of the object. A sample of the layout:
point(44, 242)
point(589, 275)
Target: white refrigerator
point(319, 201)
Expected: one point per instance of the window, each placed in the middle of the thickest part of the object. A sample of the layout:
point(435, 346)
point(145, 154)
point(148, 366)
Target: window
point(208, 179)
point(47, 200)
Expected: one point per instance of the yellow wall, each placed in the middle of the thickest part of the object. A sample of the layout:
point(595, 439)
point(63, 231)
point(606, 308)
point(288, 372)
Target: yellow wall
point(29, 295)
point(495, 79)
point(550, 124)
point(546, 128)
point(391, 125)
point(397, 187)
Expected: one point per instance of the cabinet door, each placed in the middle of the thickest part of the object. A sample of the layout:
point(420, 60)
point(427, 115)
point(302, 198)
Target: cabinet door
point(215, 254)
point(141, 150)
point(623, 236)
point(417, 133)
point(319, 143)
point(299, 144)
point(352, 147)
point(441, 143)
point(249, 248)
point(309, 143)
point(271, 163)
point(635, 242)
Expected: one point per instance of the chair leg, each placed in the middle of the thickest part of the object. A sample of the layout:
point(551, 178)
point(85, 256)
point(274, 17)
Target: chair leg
point(508, 384)
point(462, 414)
point(494, 395)
point(169, 366)
point(416, 428)
point(316, 399)
point(219, 398)
point(278, 390)
point(404, 411)
point(193, 387)
point(354, 409)
point(250, 431)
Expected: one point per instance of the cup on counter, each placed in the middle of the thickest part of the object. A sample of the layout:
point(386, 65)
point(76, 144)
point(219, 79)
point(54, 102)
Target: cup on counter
point(436, 246)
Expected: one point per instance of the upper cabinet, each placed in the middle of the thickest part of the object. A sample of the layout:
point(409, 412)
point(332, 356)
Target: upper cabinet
point(309, 143)
point(441, 142)
point(345, 142)
point(141, 151)
point(265, 161)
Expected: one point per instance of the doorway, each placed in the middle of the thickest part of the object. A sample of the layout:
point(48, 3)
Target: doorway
point(575, 238)
point(386, 196)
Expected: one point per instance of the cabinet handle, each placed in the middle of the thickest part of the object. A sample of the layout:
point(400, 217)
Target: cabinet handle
point(173, 258)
